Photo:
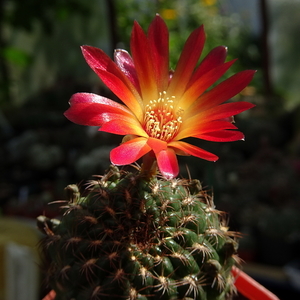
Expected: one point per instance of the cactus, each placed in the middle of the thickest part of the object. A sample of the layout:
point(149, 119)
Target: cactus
point(145, 234)
point(128, 236)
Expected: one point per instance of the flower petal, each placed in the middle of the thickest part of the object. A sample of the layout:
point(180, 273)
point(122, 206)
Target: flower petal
point(130, 151)
point(223, 91)
point(124, 126)
point(158, 36)
point(250, 288)
point(187, 62)
point(121, 91)
point(193, 150)
point(218, 112)
point(113, 78)
point(213, 59)
point(166, 157)
point(94, 110)
point(126, 65)
point(204, 127)
point(157, 145)
point(202, 84)
point(143, 63)
point(225, 110)
point(221, 136)
point(167, 163)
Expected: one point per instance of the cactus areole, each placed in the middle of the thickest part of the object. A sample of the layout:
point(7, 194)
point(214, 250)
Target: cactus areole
point(145, 234)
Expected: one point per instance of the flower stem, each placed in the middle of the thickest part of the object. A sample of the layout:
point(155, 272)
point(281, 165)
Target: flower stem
point(149, 165)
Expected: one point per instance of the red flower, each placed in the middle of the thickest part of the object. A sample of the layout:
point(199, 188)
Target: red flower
point(162, 107)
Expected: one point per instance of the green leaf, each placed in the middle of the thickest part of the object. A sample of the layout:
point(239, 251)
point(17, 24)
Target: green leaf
point(16, 56)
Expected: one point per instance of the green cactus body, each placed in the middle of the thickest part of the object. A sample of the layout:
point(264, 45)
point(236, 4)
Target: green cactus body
point(131, 237)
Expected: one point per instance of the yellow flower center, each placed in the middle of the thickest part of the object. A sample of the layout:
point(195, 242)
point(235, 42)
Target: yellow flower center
point(161, 121)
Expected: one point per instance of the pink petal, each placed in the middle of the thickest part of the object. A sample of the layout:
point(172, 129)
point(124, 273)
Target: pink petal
point(167, 163)
point(94, 110)
point(213, 59)
point(126, 65)
point(203, 83)
point(158, 37)
point(187, 62)
point(202, 127)
point(113, 77)
point(221, 136)
point(130, 151)
point(193, 150)
point(50, 296)
point(143, 63)
point(124, 127)
point(223, 91)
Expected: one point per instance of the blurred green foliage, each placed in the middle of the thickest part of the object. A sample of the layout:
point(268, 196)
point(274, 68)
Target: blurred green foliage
point(23, 14)
point(55, 29)
point(16, 56)
point(182, 17)
point(26, 18)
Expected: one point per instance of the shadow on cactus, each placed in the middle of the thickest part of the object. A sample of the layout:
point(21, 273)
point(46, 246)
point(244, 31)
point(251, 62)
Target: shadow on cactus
point(144, 234)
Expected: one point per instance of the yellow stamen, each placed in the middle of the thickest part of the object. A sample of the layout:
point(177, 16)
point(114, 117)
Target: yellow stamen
point(161, 121)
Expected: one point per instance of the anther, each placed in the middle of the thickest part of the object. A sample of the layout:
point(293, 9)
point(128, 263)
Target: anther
point(161, 120)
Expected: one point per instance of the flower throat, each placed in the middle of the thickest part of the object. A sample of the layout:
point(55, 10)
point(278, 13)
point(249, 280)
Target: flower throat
point(161, 121)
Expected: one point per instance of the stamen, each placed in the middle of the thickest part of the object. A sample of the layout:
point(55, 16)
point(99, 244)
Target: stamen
point(161, 120)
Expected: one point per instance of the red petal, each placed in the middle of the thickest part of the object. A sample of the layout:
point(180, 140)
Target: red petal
point(167, 163)
point(213, 59)
point(120, 90)
point(221, 136)
point(126, 64)
point(223, 91)
point(187, 62)
point(143, 63)
point(94, 110)
point(158, 36)
point(203, 83)
point(130, 151)
point(250, 288)
point(217, 113)
point(157, 145)
point(113, 77)
point(124, 127)
point(202, 127)
point(193, 150)
point(223, 111)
